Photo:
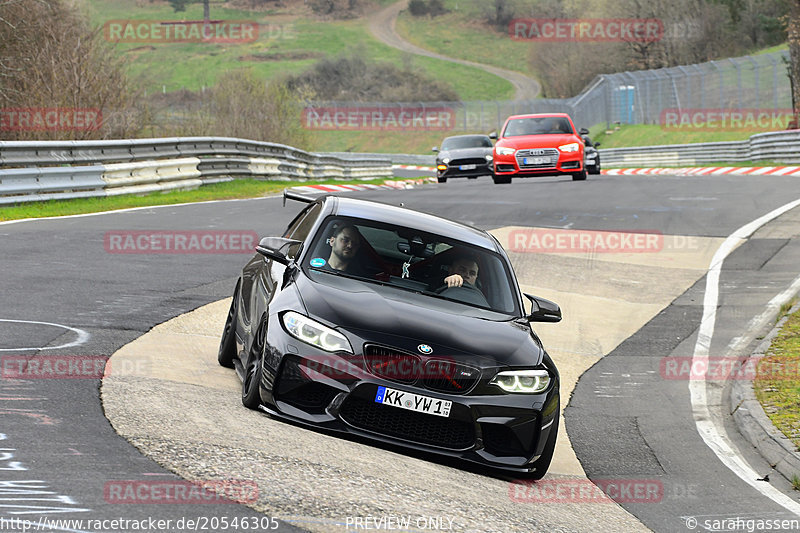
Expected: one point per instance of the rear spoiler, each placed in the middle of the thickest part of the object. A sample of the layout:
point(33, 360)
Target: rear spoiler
point(291, 195)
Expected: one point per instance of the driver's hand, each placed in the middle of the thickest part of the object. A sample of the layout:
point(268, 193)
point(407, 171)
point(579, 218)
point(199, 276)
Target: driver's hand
point(454, 280)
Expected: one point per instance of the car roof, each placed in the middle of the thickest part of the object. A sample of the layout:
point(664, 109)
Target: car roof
point(540, 115)
point(466, 136)
point(401, 216)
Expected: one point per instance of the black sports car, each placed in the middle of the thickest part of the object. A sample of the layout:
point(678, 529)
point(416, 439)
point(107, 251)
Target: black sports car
point(398, 326)
point(464, 156)
point(591, 156)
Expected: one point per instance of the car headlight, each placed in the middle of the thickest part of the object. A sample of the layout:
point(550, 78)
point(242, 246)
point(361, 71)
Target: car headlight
point(488, 157)
point(446, 160)
point(504, 150)
point(441, 167)
point(313, 333)
point(525, 381)
point(571, 147)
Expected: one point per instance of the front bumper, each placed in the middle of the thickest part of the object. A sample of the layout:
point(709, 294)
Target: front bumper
point(567, 163)
point(464, 169)
point(337, 392)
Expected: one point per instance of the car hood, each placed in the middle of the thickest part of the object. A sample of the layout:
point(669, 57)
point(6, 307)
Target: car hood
point(465, 152)
point(405, 319)
point(539, 141)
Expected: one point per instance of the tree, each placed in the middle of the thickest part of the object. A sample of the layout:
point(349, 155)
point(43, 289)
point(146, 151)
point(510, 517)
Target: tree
point(793, 27)
point(50, 58)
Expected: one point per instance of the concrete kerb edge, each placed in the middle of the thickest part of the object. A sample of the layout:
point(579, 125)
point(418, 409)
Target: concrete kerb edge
point(751, 420)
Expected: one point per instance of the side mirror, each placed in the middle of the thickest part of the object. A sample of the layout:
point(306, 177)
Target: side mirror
point(543, 310)
point(493, 135)
point(596, 145)
point(276, 248)
point(435, 149)
point(583, 131)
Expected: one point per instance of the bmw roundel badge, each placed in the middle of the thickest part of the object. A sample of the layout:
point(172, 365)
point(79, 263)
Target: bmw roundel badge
point(424, 348)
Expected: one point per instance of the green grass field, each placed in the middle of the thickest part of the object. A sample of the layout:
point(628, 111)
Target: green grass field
point(288, 43)
point(462, 34)
point(777, 382)
point(240, 188)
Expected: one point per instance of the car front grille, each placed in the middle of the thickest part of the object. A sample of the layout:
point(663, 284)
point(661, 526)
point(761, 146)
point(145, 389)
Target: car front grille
point(549, 155)
point(480, 161)
point(391, 364)
point(449, 376)
point(407, 425)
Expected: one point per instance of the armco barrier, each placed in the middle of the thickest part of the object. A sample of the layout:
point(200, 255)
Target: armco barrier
point(75, 169)
point(779, 146)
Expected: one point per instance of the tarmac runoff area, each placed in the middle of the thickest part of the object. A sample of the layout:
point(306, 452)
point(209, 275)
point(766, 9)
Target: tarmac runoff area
point(170, 399)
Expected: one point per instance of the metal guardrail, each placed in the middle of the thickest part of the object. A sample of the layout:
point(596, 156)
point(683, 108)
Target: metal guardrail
point(779, 146)
point(77, 169)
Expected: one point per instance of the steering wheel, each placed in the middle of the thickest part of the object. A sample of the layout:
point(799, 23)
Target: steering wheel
point(465, 293)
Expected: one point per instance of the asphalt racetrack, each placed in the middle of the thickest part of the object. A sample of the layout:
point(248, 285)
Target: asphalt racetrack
point(627, 258)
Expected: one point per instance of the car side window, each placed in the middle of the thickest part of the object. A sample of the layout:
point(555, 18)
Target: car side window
point(301, 226)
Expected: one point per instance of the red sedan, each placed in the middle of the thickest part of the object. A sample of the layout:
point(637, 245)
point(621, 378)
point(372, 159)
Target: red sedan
point(538, 145)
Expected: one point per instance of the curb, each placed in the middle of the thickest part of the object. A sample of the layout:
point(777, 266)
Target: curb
point(705, 171)
point(780, 452)
point(388, 184)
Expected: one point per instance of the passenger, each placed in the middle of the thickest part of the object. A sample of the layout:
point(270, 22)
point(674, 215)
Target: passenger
point(345, 244)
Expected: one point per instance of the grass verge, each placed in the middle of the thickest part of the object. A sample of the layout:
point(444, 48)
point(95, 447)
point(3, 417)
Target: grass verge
point(240, 188)
point(653, 135)
point(777, 382)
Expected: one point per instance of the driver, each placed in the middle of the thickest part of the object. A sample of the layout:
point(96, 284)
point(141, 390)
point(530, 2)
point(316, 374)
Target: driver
point(463, 269)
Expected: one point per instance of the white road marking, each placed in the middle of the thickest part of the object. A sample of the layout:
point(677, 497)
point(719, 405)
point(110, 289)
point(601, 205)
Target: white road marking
point(697, 388)
point(83, 336)
point(129, 209)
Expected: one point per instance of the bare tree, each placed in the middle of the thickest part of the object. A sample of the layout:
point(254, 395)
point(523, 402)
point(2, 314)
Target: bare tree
point(793, 27)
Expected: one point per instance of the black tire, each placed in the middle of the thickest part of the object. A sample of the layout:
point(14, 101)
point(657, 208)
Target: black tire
point(501, 180)
point(227, 344)
point(442, 179)
point(543, 462)
point(252, 370)
point(579, 176)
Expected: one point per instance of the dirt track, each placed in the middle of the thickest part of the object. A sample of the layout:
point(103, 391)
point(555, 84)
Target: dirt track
point(382, 26)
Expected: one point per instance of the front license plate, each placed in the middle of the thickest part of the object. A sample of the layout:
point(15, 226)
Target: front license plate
point(535, 160)
point(467, 167)
point(413, 402)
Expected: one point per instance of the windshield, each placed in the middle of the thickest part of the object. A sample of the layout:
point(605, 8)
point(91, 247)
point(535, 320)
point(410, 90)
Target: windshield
point(537, 126)
point(457, 143)
point(413, 260)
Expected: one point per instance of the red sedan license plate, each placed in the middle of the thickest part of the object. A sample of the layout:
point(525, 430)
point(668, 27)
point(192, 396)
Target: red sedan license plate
point(535, 160)
point(413, 402)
